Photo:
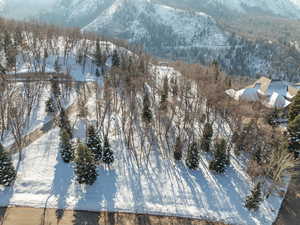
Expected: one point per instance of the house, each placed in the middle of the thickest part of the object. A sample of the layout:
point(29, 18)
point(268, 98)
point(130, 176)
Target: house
point(271, 93)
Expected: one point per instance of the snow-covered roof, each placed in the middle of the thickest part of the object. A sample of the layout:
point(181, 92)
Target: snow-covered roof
point(267, 87)
point(277, 101)
point(272, 93)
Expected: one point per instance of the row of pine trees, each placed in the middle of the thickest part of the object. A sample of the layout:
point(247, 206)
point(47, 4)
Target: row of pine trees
point(86, 156)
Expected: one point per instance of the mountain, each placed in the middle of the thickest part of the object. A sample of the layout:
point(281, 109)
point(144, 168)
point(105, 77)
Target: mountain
point(152, 119)
point(285, 8)
point(188, 35)
point(281, 8)
point(158, 26)
point(247, 38)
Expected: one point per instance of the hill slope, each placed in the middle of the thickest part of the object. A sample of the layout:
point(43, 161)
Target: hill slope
point(194, 36)
point(280, 8)
point(142, 109)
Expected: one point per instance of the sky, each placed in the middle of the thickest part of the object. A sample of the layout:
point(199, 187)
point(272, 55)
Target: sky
point(25, 8)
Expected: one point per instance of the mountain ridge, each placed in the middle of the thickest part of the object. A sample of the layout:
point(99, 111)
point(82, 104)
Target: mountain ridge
point(181, 34)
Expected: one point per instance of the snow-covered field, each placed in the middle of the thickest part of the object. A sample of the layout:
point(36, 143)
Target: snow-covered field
point(160, 186)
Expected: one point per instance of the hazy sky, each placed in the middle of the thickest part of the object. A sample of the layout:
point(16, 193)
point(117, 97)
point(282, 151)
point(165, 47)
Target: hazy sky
point(36, 3)
point(19, 9)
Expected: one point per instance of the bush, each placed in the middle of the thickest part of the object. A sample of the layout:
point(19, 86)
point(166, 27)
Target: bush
point(253, 200)
point(66, 147)
point(193, 158)
point(108, 155)
point(85, 168)
point(178, 149)
point(7, 170)
point(50, 106)
point(221, 158)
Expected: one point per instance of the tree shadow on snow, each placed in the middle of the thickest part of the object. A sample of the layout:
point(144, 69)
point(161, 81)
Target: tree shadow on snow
point(200, 188)
point(61, 182)
point(217, 192)
point(100, 195)
point(5, 197)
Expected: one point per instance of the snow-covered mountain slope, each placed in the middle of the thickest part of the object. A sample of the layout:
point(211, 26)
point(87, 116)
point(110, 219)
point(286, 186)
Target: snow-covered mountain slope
point(77, 12)
point(175, 33)
point(187, 35)
point(286, 8)
point(283, 8)
point(143, 21)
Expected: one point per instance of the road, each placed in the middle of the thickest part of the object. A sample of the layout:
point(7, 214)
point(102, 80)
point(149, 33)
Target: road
point(33, 216)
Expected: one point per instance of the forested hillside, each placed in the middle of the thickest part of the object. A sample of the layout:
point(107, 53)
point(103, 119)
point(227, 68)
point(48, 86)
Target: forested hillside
point(247, 38)
point(89, 123)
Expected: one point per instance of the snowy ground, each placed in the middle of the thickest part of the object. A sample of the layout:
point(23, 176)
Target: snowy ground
point(38, 115)
point(84, 71)
point(160, 187)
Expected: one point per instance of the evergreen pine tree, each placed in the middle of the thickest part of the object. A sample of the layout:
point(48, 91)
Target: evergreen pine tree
point(50, 105)
point(7, 170)
point(64, 122)
point(294, 134)
point(164, 95)
point(207, 136)
point(174, 87)
point(221, 159)
point(55, 89)
point(66, 147)
point(193, 158)
point(79, 57)
point(57, 66)
point(147, 113)
point(11, 57)
point(178, 149)
point(271, 117)
point(257, 156)
point(294, 107)
point(94, 143)
point(98, 54)
point(215, 66)
point(235, 137)
point(252, 201)
point(115, 59)
point(46, 53)
point(108, 155)
point(97, 73)
point(85, 168)
point(7, 41)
